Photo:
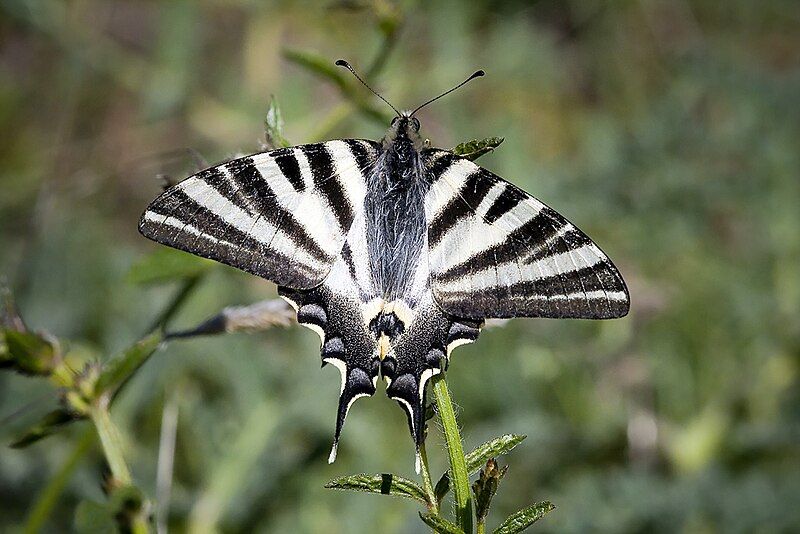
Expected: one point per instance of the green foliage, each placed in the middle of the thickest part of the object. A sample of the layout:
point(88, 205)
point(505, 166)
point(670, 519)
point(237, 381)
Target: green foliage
point(485, 488)
point(49, 424)
point(667, 131)
point(439, 524)
point(384, 484)
point(474, 149)
point(166, 265)
point(28, 353)
point(120, 368)
point(273, 126)
point(477, 457)
point(524, 518)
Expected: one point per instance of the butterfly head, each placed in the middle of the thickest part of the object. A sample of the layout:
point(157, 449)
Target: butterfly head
point(403, 130)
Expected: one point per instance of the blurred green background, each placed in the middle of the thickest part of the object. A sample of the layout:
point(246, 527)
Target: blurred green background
point(669, 131)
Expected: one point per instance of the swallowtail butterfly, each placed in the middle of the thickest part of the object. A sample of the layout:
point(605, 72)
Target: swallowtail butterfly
point(392, 251)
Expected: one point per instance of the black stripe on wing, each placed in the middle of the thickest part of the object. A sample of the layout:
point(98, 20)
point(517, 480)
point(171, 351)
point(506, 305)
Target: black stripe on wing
point(322, 168)
point(254, 212)
point(528, 260)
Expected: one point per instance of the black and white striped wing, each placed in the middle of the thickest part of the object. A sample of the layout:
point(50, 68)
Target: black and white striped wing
point(495, 251)
point(282, 215)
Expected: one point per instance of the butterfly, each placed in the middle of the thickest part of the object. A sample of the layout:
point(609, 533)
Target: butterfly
point(392, 251)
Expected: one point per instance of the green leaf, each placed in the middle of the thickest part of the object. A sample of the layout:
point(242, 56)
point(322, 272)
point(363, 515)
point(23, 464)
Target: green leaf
point(28, 353)
point(50, 424)
point(121, 367)
point(166, 265)
point(273, 126)
point(440, 524)
point(385, 484)
point(474, 149)
point(479, 456)
point(524, 518)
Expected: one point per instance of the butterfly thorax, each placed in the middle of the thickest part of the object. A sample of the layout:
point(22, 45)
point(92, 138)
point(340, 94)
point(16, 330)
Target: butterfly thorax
point(395, 213)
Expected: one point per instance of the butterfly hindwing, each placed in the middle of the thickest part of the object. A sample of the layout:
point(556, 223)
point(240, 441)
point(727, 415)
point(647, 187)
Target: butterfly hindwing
point(495, 251)
point(282, 215)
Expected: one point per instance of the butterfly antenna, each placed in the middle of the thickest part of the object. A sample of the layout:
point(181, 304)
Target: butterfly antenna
point(476, 74)
point(345, 64)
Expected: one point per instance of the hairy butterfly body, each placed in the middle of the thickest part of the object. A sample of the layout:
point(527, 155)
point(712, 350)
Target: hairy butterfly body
point(394, 253)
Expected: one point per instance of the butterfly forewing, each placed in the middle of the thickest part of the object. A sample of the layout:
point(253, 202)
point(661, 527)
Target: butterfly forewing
point(495, 251)
point(282, 215)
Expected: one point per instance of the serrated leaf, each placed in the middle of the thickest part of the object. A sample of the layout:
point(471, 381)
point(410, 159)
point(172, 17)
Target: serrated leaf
point(476, 148)
point(27, 352)
point(273, 126)
point(524, 518)
point(117, 370)
point(476, 458)
point(50, 424)
point(385, 484)
point(439, 524)
point(167, 265)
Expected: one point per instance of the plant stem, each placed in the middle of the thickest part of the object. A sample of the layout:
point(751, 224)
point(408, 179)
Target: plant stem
point(427, 485)
point(459, 476)
point(112, 445)
point(481, 527)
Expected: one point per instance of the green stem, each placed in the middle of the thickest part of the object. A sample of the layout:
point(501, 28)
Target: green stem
point(481, 527)
point(112, 444)
point(427, 485)
point(459, 476)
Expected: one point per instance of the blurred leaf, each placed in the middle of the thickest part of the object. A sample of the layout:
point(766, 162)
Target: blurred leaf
point(166, 265)
point(94, 518)
point(27, 352)
point(440, 524)
point(319, 65)
point(474, 149)
point(476, 458)
point(485, 487)
point(50, 424)
point(325, 68)
point(385, 484)
point(121, 367)
point(524, 518)
point(273, 126)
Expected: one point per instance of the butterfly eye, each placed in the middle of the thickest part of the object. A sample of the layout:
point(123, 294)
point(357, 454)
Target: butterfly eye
point(416, 123)
point(394, 120)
